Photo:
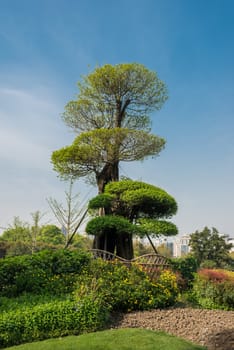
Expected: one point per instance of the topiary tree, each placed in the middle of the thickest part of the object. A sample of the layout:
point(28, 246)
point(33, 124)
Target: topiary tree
point(131, 207)
point(111, 117)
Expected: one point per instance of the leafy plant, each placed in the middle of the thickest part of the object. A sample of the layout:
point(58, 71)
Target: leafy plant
point(186, 267)
point(46, 271)
point(210, 245)
point(122, 288)
point(214, 289)
point(50, 320)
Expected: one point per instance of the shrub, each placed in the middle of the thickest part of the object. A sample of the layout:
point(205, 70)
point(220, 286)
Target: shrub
point(122, 288)
point(214, 289)
point(46, 271)
point(186, 267)
point(51, 320)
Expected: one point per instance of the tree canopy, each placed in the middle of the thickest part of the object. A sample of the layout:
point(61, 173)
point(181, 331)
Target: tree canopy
point(113, 96)
point(210, 246)
point(111, 118)
point(96, 151)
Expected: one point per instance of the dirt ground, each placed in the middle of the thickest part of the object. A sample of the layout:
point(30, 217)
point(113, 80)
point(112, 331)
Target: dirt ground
point(211, 328)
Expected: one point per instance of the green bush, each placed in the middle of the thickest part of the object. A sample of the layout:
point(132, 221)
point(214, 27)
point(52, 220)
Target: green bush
point(186, 267)
point(214, 289)
point(25, 301)
point(46, 271)
point(50, 320)
point(122, 288)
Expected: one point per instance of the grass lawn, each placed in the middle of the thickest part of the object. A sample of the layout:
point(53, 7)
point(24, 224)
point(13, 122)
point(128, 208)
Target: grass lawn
point(118, 339)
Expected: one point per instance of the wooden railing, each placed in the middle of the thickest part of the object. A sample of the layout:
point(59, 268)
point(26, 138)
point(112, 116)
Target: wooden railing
point(150, 263)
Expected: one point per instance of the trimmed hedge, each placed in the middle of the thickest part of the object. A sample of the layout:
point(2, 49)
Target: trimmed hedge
point(46, 271)
point(51, 320)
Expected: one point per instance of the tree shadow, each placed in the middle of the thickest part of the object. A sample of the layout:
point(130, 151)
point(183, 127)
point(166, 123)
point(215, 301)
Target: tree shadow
point(222, 340)
point(115, 320)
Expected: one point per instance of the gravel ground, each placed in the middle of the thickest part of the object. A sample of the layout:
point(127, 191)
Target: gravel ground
point(211, 328)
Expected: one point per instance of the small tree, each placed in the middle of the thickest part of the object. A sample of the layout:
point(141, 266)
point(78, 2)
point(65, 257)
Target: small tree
point(131, 207)
point(18, 231)
point(22, 236)
point(35, 230)
point(208, 245)
point(69, 216)
point(51, 234)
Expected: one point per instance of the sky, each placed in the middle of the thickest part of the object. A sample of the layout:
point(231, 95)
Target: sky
point(45, 48)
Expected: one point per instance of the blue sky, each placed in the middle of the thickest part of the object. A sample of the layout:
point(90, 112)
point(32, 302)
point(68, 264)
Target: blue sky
point(46, 45)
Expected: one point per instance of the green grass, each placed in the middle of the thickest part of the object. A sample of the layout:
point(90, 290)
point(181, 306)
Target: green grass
point(119, 339)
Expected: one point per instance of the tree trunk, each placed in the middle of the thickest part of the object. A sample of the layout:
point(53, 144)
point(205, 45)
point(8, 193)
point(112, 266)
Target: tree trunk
point(110, 242)
point(124, 246)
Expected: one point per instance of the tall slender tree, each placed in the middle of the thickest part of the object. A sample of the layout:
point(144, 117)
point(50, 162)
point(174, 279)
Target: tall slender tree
point(111, 118)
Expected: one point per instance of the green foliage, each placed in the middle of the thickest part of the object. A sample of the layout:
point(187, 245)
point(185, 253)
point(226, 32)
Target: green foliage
point(186, 267)
point(46, 271)
point(111, 118)
point(122, 288)
point(51, 234)
point(14, 248)
point(110, 225)
point(214, 289)
point(50, 320)
point(210, 245)
point(157, 227)
point(103, 200)
point(23, 238)
point(26, 301)
point(18, 236)
point(18, 231)
point(82, 242)
point(141, 248)
point(153, 202)
point(144, 199)
point(92, 150)
point(139, 202)
point(140, 205)
point(130, 89)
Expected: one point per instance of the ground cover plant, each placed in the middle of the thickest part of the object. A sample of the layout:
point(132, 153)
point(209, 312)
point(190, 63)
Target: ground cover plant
point(121, 339)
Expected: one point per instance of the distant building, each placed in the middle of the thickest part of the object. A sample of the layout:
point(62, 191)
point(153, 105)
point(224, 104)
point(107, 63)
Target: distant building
point(170, 247)
point(178, 246)
point(181, 246)
point(231, 240)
